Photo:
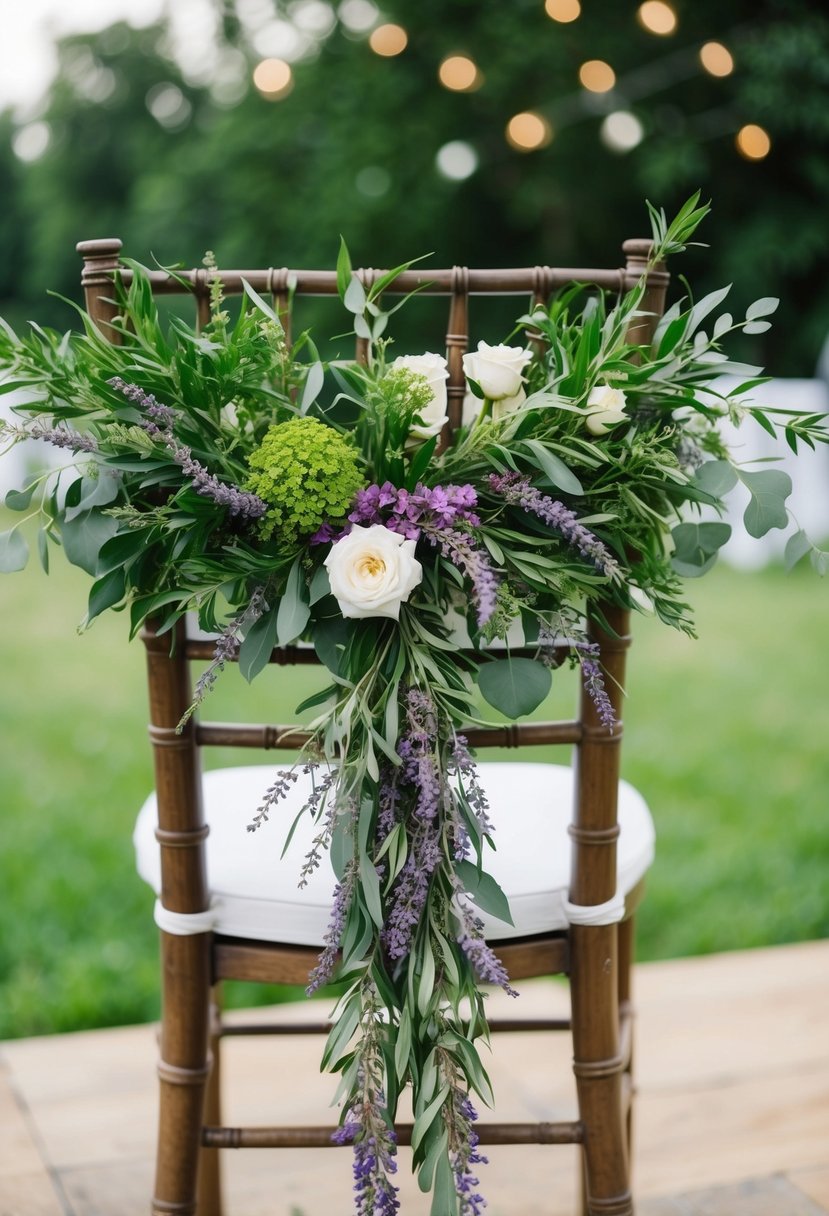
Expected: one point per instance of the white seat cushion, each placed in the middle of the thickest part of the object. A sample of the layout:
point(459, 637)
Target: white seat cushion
point(255, 890)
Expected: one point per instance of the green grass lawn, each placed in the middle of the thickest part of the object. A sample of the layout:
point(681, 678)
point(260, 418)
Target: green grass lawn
point(726, 737)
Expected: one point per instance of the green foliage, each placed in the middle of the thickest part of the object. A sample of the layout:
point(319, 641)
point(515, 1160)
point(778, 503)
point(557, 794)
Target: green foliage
point(307, 474)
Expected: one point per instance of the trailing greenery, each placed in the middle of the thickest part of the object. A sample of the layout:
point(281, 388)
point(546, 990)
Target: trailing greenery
point(330, 514)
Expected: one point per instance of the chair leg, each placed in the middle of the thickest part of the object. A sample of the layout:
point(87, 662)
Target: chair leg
point(182, 1071)
point(599, 1067)
point(627, 938)
point(209, 1182)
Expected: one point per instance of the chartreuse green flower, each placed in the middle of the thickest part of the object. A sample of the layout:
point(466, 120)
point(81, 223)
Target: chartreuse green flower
point(307, 473)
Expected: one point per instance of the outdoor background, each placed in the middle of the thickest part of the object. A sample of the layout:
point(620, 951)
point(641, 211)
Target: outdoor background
point(487, 134)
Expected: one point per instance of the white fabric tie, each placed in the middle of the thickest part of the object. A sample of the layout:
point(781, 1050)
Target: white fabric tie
point(609, 913)
point(185, 924)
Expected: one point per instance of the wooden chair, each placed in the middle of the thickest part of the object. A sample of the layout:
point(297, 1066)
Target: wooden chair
point(219, 923)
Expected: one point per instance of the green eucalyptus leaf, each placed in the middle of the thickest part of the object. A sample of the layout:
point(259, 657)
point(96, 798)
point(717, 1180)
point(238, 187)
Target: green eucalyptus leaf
point(18, 500)
point(14, 552)
point(330, 636)
point(715, 477)
point(294, 610)
point(355, 296)
point(84, 536)
point(696, 547)
point(484, 891)
point(514, 686)
point(257, 645)
point(320, 586)
point(797, 546)
point(769, 490)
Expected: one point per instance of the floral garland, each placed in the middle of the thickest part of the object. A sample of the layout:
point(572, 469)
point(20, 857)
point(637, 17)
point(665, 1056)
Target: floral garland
point(210, 473)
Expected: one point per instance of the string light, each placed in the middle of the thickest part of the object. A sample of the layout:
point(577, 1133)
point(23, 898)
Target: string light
point(564, 11)
point(388, 40)
point(457, 160)
point(597, 76)
point(528, 131)
point(657, 17)
point(716, 59)
point(621, 131)
point(460, 74)
point(753, 142)
point(273, 78)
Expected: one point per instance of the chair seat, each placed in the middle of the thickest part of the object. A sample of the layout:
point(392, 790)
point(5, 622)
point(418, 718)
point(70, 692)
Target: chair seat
point(254, 888)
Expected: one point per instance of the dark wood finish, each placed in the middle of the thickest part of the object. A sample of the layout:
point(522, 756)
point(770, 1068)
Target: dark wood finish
point(320, 1137)
point(596, 958)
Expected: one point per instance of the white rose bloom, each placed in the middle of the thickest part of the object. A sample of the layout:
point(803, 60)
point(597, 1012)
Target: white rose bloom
point(498, 369)
point(605, 408)
point(472, 407)
point(434, 414)
point(372, 571)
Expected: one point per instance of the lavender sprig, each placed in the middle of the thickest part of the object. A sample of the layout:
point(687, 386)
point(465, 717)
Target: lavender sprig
point(327, 960)
point(463, 1155)
point(285, 778)
point(226, 650)
point(586, 654)
point(63, 437)
point(462, 550)
point(485, 963)
point(517, 491)
point(157, 422)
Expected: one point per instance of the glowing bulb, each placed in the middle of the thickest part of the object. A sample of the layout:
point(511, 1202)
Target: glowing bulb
point(657, 17)
point(597, 76)
point(564, 11)
point(459, 73)
point(753, 142)
point(716, 59)
point(457, 160)
point(388, 40)
point(528, 131)
point(621, 131)
point(273, 78)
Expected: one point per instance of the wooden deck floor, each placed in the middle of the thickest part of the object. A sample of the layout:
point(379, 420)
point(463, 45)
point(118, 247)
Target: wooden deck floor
point(732, 1119)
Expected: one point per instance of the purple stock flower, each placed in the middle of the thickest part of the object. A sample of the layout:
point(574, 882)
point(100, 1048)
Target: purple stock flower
point(157, 423)
point(518, 492)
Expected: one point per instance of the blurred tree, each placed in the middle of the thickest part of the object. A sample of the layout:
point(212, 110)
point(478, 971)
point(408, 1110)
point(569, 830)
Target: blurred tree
point(175, 160)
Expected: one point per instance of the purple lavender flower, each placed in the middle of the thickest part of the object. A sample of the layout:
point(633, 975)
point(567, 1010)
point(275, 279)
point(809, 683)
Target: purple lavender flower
point(462, 550)
point(374, 1162)
point(157, 423)
point(63, 437)
point(518, 492)
point(327, 961)
point(486, 964)
point(593, 679)
point(226, 650)
point(471, 1202)
point(285, 778)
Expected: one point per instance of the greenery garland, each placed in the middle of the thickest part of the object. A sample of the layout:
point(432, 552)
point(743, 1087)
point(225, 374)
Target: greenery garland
point(218, 472)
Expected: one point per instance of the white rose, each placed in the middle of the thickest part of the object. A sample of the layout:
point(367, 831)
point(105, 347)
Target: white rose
point(605, 409)
point(372, 571)
point(498, 369)
point(434, 414)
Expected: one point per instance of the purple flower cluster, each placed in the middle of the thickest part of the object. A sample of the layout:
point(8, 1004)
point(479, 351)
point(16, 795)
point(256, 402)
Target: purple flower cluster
point(418, 750)
point(374, 1146)
point(63, 437)
point(474, 794)
point(285, 778)
point(518, 492)
point(327, 961)
point(407, 511)
point(470, 1201)
point(487, 966)
point(593, 679)
point(157, 422)
point(462, 550)
point(226, 650)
